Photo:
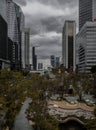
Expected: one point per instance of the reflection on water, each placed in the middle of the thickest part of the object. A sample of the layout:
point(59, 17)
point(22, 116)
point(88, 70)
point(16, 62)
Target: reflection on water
point(21, 123)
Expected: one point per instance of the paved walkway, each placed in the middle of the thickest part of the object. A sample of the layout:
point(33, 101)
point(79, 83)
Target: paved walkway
point(63, 109)
point(68, 106)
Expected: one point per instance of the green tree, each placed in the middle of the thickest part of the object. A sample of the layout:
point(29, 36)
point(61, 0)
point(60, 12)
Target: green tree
point(91, 124)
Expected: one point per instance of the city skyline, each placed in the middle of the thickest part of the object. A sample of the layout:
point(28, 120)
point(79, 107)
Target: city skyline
point(47, 65)
point(46, 19)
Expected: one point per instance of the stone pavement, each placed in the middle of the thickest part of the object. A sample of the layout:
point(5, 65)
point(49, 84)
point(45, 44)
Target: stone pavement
point(64, 109)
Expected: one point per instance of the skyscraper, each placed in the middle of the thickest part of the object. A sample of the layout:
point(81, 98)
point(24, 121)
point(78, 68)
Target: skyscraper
point(21, 27)
point(68, 44)
point(3, 35)
point(57, 62)
point(40, 66)
point(3, 40)
point(34, 59)
point(3, 10)
point(52, 60)
point(87, 11)
point(86, 40)
point(15, 20)
point(26, 46)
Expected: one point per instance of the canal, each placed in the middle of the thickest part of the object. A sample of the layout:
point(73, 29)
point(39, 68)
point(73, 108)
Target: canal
point(21, 122)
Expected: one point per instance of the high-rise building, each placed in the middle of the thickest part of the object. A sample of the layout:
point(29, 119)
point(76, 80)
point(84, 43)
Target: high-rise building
point(15, 20)
point(4, 63)
point(86, 40)
point(57, 61)
point(52, 60)
point(87, 11)
point(3, 40)
point(3, 9)
point(40, 66)
point(21, 27)
point(68, 45)
point(26, 47)
point(34, 59)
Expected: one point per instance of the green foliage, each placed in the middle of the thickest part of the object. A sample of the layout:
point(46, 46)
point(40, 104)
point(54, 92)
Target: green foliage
point(38, 110)
point(91, 124)
point(16, 86)
point(95, 111)
point(11, 94)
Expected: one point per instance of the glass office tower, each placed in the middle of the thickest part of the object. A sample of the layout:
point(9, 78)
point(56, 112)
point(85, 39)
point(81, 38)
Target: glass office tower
point(87, 11)
point(15, 19)
point(68, 45)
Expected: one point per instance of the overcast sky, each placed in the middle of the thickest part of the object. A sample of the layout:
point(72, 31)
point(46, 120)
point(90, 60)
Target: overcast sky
point(46, 19)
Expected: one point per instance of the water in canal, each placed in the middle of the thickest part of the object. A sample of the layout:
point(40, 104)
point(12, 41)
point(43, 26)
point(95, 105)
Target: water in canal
point(21, 123)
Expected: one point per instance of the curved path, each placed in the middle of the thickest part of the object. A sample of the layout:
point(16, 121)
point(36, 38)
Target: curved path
point(68, 106)
point(21, 122)
point(63, 109)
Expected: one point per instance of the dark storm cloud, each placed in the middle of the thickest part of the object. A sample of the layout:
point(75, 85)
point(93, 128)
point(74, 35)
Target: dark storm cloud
point(48, 45)
point(46, 20)
point(56, 23)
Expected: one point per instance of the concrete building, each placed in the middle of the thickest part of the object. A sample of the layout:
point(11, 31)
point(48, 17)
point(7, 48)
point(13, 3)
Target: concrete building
point(34, 59)
point(15, 20)
point(4, 63)
point(87, 11)
point(86, 41)
point(57, 62)
point(68, 45)
point(52, 60)
point(26, 47)
point(3, 9)
point(40, 66)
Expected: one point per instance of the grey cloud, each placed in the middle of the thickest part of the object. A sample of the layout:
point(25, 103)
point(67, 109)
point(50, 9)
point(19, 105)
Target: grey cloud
point(59, 3)
point(54, 23)
point(49, 24)
point(39, 25)
point(51, 46)
point(42, 24)
point(21, 2)
point(68, 2)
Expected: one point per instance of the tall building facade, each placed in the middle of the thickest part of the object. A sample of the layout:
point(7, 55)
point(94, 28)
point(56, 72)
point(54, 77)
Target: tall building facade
point(15, 20)
point(87, 11)
point(52, 60)
point(4, 63)
point(68, 45)
point(40, 66)
point(3, 41)
point(26, 47)
point(3, 9)
point(86, 40)
point(57, 62)
point(34, 59)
